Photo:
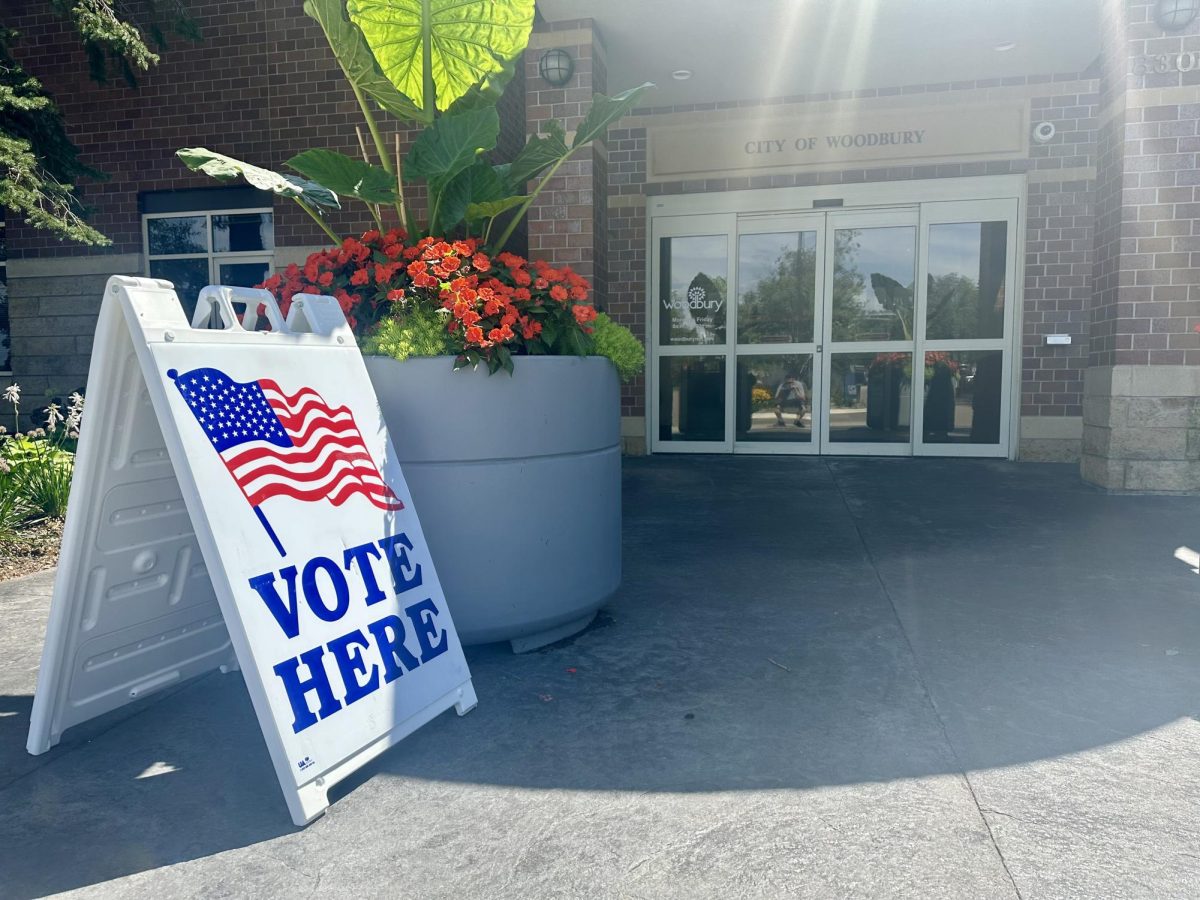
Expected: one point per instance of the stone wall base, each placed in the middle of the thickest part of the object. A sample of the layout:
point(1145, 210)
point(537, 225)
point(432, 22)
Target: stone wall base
point(1050, 439)
point(633, 436)
point(1141, 428)
point(1059, 450)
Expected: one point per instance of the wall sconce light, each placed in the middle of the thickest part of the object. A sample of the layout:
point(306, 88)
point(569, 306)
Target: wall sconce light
point(1175, 15)
point(556, 67)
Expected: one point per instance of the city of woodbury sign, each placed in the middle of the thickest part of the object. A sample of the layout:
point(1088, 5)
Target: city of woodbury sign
point(856, 138)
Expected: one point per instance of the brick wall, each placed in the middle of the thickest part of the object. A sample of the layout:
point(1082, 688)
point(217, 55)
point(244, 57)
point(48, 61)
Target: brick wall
point(262, 86)
point(567, 221)
point(1059, 223)
point(1141, 403)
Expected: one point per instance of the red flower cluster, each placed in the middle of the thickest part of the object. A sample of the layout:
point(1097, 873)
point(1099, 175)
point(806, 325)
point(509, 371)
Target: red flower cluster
point(496, 307)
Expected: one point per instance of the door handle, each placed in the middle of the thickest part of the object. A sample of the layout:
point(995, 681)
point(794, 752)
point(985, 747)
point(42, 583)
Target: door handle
point(820, 348)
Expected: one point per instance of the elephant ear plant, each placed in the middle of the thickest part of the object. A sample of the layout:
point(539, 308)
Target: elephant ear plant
point(441, 65)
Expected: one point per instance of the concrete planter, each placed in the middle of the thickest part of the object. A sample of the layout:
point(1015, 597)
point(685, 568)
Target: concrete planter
point(517, 481)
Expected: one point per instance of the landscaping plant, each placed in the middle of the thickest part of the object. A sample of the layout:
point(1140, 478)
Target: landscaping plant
point(442, 65)
point(36, 466)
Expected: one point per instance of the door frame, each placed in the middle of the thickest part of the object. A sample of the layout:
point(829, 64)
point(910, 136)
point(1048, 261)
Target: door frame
point(782, 223)
point(902, 217)
point(825, 198)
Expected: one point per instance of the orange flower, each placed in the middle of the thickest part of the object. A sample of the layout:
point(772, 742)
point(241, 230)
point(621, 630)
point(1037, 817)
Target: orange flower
point(360, 277)
point(474, 335)
point(480, 262)
point(559, 293)
point(584, 314)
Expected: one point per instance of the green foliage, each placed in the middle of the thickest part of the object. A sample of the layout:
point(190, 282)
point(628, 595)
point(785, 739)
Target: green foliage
point(226, 168)
point(620, 345)
point(38, 163)
point(345, 175)
point(14, 508)
point(416, 59)
point(435, 51)
point(417, 331)
point(358, 62)
point(447, 148)
point(41, 471)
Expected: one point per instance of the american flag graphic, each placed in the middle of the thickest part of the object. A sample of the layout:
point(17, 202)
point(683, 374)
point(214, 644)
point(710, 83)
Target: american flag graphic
point(279, 444)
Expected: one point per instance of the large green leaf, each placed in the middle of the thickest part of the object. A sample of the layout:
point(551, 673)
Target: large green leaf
point(538, 154)
point(475, 184)
point(490, 209)
point(347, 176)
point(606, 110)
point(487, 92)
point(451, 144)
point(226, 168)
point(442, 47)
point(357, 61)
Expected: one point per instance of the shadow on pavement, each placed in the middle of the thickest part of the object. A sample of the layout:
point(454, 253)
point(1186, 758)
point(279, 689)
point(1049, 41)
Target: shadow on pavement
point(784, 623)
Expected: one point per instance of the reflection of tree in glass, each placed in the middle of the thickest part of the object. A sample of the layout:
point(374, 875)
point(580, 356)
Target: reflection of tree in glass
point(177, 235)
point(896, 299)
point(779, 307)
point(848, 308)
point(956, 309)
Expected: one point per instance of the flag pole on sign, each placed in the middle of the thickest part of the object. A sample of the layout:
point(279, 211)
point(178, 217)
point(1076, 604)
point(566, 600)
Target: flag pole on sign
point(173, 374)
point(270, 531)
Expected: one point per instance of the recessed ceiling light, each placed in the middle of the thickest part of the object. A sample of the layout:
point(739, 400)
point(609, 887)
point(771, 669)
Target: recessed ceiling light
point(1005, 46)
point(681, 74)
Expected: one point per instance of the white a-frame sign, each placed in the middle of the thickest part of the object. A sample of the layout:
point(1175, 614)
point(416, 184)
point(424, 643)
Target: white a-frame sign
point(237, 502)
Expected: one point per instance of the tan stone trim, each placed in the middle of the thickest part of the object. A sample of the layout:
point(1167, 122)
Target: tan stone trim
point(968, 132)
point(1040, 176)
point(284, 256)
point(92, 264)
point(1141, 381)
point(903, 101)
point(1052, 427)
point(627, 201)
point(633, 426)
point(546, 40)
point(1141, 98)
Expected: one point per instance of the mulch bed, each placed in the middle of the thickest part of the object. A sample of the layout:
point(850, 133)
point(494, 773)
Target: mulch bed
point(34, 549)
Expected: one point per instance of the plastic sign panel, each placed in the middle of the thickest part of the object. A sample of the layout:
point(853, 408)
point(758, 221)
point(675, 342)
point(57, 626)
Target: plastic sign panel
point(237, 503)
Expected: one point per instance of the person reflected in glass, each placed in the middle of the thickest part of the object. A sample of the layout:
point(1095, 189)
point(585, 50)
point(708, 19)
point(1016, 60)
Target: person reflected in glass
point(791, 395)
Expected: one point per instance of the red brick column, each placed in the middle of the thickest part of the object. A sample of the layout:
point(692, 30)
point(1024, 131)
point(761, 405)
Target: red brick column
point(567, 222)
point(1141, 410)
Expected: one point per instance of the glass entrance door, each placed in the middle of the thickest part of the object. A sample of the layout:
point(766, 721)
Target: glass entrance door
point(778, 318)
point(868, 339)
point(882, 332)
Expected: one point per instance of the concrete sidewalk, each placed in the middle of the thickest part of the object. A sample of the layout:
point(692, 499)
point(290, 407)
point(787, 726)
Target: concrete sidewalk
point(867, 678)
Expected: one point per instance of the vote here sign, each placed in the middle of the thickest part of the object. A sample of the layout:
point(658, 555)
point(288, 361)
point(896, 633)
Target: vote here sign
point(306, 527)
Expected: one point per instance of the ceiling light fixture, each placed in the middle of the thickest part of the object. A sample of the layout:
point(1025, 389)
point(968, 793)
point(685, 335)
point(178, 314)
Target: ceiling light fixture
point(681, 74)
point(1005, 46)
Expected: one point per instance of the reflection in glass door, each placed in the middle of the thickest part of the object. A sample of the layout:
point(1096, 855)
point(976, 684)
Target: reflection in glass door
point(965, 328)
point(777, 320)
point(884, 332)
point(689, 333)
point(869, 332)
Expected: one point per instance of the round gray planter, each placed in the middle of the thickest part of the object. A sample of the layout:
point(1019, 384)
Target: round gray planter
point(517, 482)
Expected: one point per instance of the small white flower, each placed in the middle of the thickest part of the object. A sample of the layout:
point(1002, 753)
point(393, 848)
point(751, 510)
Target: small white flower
point(12, 393)
point(53, 416)
point(74, 411)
